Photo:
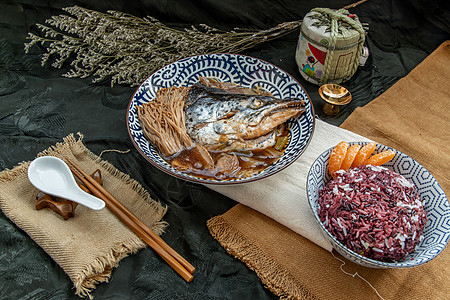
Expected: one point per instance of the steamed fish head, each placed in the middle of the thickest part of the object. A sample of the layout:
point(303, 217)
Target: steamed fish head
point(219, 119)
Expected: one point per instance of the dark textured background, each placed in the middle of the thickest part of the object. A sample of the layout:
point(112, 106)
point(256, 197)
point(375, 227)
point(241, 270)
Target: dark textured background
point(38, 108)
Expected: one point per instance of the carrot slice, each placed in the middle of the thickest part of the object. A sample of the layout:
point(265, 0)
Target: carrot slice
point(350, 156)
point(337, 157)
point(381, 158)
point(363, 154)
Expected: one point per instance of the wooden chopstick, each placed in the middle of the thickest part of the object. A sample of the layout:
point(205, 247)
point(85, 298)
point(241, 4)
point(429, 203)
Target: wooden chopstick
point(175, 260)
point(150, 232)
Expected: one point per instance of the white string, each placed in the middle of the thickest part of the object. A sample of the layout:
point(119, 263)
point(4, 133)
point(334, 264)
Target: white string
point(114, 150)
point(356, 274)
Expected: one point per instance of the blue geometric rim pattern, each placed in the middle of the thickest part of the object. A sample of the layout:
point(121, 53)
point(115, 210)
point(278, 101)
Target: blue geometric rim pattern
point(243, 70)
point(437, 230)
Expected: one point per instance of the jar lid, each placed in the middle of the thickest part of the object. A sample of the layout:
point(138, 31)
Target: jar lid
point(337, 29)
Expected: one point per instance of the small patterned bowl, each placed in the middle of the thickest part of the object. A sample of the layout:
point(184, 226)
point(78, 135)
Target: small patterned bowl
point(437, 230)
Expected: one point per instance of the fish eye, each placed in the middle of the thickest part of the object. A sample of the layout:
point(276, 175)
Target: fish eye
point(257, 103)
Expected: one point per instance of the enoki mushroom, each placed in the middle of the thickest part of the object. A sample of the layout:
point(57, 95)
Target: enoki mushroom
point(162, 121)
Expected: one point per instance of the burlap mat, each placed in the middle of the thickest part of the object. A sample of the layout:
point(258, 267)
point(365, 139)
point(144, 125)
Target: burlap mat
point(412, 116)
point(90, 244)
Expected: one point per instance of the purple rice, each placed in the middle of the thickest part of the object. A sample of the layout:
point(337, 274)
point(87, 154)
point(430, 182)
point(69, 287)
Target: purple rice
point(374, 212)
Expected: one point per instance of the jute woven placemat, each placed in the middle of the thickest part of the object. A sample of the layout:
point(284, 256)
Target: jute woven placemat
point(89, 245)
point(412, 116)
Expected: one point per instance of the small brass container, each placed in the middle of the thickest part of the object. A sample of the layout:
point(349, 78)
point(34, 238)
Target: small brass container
point(334, 96)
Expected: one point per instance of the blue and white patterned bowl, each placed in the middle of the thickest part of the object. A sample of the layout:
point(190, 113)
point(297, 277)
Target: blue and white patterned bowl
point(243, 70)
point(437, 230)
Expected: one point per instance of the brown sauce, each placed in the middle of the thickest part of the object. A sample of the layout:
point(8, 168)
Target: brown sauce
point(230, 165)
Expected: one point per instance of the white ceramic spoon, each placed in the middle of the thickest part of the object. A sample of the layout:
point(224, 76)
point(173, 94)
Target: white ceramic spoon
point(51, 175)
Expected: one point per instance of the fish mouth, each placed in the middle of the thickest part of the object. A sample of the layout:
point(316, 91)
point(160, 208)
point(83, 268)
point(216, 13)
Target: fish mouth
point(269, 119)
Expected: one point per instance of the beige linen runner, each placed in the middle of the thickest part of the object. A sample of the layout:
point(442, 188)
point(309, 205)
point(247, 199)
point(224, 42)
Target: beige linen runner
point(283, 197)
point(90, 244)
point(412, 116)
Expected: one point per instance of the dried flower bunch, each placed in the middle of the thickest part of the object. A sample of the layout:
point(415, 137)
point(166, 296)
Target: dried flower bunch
point(127, 49)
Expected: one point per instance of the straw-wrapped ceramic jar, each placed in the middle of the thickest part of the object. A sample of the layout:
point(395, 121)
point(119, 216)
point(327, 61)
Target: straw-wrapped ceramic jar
point(330, 45)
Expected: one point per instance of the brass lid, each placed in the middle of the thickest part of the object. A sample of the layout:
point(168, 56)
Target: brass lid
point(335, 94)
